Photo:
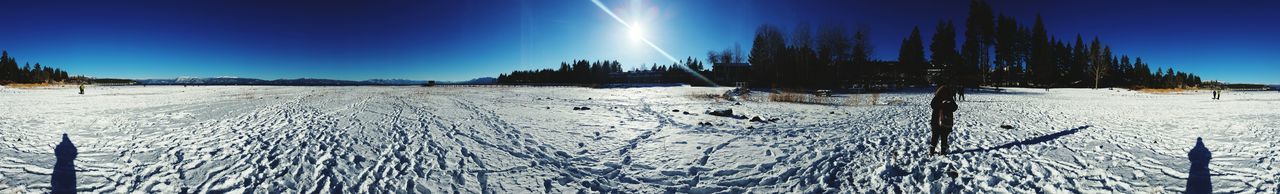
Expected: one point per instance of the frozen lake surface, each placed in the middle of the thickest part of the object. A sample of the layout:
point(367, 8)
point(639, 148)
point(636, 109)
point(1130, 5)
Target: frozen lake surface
point(255, 139)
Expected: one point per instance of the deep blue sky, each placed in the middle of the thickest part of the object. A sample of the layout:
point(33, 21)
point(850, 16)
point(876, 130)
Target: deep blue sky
point(1234, 41)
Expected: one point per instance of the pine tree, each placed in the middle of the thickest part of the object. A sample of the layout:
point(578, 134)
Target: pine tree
point(47, 74)
point(37, 74)
point(1006, 44)
point(943, 49)
point(1143, 71)
point(10, 66)
point(804, 65)
point(1128, 74)
point(765, 53)
point(911, 61)
point(1112, 67)
point(1021, 73)
point(5, 73)
point(1062, 61)
point(1080, 59)
point(861, 53)
point(25, 74)
point(1042, 56)
point(1158, 79)
point(833, 53)
point(979, 35)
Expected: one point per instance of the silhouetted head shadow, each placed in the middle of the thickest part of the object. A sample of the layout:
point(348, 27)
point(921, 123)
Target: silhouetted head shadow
point(1198, 177)
point(64, 171)
point(1035, 140)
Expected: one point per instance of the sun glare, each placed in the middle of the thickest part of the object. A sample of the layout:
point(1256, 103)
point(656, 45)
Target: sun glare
point(636, 32)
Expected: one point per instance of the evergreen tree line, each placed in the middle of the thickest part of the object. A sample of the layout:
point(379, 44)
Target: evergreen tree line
point(605, 72)
point(11, 73)
point(997, 51)
point(1030, 56)
point(1023, 56)
point(832, 57)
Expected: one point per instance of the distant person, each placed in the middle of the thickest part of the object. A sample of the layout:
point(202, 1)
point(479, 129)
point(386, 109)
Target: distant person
point(943, 118)
point(64, 169)
point(81, 88)
point(960, 92)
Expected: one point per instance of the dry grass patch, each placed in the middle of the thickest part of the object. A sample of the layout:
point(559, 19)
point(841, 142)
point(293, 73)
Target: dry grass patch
point(1165, 90)
point(788, 97)
point(862, 99)
point(28, 86)
point(794, 97)
point(705, 96)
point(804, 98)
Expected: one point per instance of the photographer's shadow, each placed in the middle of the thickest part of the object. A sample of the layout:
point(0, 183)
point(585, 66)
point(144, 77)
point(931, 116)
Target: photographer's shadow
point(1198, 179)
point(64, 171)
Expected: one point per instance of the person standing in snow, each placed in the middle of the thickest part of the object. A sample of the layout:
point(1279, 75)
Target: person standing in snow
point(943, 118)
point(960, 91)
point(81, 88)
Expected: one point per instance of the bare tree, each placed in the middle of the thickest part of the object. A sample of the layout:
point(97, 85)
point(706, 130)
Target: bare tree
point(728, 55)
point(738, 57)
point(714, 57)
point(1098, 61)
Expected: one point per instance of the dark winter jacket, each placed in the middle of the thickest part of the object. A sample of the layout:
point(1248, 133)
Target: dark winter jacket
point(944, 108)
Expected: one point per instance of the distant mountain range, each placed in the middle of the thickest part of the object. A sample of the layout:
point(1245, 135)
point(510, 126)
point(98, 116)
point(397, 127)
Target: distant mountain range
point(301, 81)
point(477, 81)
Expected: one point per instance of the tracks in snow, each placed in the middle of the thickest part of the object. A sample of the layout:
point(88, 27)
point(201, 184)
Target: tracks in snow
point(526, 140)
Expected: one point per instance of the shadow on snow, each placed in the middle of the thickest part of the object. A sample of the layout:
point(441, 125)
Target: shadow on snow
point(64, 170)
point(1198, 177)
point(1031, 141)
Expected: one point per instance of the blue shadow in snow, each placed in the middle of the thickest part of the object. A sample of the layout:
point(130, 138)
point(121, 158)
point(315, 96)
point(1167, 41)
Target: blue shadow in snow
point(1198, 177)
point(64, 171)
point(1031, 141)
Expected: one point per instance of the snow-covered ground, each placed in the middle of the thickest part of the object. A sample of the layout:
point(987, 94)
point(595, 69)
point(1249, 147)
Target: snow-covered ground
point(638, 140)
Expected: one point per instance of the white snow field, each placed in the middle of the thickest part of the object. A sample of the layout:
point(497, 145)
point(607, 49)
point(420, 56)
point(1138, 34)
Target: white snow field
point(251, 139)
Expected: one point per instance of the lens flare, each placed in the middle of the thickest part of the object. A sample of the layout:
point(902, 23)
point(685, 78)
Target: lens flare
point(633, 30)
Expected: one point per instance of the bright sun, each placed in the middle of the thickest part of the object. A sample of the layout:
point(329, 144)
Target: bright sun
point(636, 32)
